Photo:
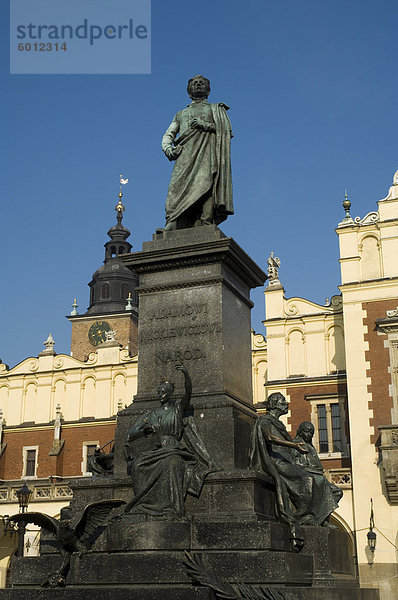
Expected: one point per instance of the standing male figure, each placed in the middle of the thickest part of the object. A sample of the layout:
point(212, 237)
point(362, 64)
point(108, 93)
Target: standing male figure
point(200, 190)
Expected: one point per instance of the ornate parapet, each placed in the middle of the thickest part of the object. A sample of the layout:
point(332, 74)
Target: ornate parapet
point(389, 460)
point(43, 490)
point(341, 477)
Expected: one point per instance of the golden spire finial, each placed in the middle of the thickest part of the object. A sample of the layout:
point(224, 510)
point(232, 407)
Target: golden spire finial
point(120, 208)
point(120, 189)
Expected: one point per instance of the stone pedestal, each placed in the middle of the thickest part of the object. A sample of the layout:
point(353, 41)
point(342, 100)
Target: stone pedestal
point(144, 553)
point(146, 561)
point(194, 308)
point(238, 495)
point(194, 299)
point(179, 592)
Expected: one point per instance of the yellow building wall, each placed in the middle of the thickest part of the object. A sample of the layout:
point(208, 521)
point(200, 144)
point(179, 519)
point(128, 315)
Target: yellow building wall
point(31, 390)
point(369, 273)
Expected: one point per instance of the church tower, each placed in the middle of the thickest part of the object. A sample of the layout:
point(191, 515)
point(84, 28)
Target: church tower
point(113, 298)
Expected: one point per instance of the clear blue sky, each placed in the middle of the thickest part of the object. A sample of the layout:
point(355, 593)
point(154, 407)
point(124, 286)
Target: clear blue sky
point(312, 87)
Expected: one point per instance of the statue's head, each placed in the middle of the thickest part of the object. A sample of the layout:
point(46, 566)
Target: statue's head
point(165, 391)
point(306, 431)
point(198, 87)
point(277, 400)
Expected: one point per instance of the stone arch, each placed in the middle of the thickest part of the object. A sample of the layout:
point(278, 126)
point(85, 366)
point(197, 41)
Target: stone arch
point(338, 521)
point(105, 291)
point(89, 397)
point(124, 291)
point(259, 380)
point(4, 394)
point(369, 249)
point(296, 352)
point(334, 338)
point(119, 391)
point(30, 402)
point(59, 395)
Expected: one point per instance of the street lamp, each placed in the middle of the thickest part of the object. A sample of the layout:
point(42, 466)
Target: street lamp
point(371, 535)
point(24, 494)
point(372, 540)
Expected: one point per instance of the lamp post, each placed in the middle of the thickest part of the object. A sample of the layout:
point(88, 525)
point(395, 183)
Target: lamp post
point(24, 494)
point(371, 535)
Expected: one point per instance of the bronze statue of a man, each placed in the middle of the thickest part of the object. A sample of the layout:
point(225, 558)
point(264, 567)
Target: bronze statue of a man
point(199, 140)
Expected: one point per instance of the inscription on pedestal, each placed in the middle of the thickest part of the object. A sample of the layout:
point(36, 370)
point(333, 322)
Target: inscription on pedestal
point(194, 306)
point(179, 311)
point(178, 332)
point(178, 355)
point(169, 323)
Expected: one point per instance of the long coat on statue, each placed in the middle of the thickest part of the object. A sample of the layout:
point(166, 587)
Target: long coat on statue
point(203, 167)
point(162, 476)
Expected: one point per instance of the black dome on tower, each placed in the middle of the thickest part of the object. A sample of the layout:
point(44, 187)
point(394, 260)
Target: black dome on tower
point(113, 283)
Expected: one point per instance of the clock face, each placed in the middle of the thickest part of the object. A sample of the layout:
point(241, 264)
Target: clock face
point(96, 333)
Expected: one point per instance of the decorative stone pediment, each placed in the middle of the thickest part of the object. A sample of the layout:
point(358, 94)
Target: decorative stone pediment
point(258, 341)
point(371, 217)
point(64, 361)
point(301, 306)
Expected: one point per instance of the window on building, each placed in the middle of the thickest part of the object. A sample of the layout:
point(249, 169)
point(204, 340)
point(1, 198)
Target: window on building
point(105, 291)
point(328, 417)
point(322, 428)
point(29, 461)
point(88, 452)
point(336, 428)
point(124, 291)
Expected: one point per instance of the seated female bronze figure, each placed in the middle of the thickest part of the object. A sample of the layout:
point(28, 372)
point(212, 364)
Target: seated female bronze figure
point(178, 464)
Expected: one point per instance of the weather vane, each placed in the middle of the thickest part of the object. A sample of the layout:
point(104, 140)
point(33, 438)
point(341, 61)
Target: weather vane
point(120, 208)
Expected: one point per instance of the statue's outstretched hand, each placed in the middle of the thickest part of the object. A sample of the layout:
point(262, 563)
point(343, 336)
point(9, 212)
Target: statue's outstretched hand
point(301, 448)
point(181, 368)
